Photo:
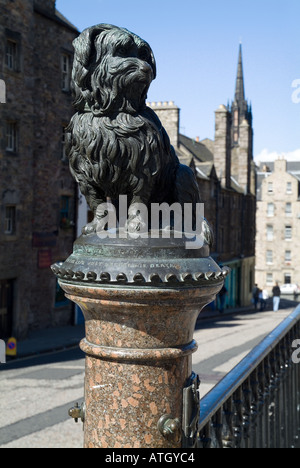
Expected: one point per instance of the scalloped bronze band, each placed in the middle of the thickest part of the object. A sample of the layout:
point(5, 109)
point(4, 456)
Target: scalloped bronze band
point(139, 278)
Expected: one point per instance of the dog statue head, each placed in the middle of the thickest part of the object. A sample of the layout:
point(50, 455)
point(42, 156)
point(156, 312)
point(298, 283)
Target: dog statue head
point(112, 71)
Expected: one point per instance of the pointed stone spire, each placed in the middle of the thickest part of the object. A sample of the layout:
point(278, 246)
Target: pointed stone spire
point(240, 102)
point(239, 87)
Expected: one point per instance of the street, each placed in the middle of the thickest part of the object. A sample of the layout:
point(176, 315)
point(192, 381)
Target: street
point(36, 393)
point(226, 341)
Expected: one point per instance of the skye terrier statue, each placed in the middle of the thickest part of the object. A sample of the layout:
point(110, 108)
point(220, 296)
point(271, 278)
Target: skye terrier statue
point(116, 144)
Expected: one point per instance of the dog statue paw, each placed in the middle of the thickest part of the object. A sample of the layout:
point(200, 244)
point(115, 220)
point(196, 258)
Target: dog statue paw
point(136, 225)
point(99, 222)
point(97, 225)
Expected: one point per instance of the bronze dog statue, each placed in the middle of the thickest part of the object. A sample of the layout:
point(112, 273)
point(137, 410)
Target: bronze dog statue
point(116, 144)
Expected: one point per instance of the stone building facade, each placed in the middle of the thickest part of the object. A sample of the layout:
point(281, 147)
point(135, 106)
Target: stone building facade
point(227, 179)
point(278, 224)
point(37, 193)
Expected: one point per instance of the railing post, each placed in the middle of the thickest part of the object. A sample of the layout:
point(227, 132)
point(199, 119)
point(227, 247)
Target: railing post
point(246, 388)
point(266, 384)
point(254, 409)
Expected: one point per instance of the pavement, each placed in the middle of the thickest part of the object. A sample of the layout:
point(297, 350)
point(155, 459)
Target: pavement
point(37, 393)
point(49, 340)
point(61, 338)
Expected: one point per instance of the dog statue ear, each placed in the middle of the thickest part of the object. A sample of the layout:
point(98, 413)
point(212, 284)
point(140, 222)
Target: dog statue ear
point(153, 64)
point(84, 46)
point(84, 43)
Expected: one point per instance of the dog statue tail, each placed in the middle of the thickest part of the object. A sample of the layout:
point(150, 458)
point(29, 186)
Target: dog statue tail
point(186, 187)
point(187, 191)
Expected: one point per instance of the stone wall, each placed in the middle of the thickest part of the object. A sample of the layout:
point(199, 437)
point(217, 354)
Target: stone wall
point(34, 178)
point(168, 113)
point(222, 148)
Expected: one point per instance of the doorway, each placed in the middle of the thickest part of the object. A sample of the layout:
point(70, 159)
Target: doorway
point(6, 308)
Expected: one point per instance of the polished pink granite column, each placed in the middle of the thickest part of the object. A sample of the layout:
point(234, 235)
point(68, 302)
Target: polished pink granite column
point(138, 345)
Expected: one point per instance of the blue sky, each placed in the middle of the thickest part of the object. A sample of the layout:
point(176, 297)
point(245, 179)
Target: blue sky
point(196, 43)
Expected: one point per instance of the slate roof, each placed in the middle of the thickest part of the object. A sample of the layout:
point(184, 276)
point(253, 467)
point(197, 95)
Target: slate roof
point(197, 149)
point(60, 17)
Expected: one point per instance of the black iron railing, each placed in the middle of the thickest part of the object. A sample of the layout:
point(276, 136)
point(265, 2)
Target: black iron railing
point(257, 405)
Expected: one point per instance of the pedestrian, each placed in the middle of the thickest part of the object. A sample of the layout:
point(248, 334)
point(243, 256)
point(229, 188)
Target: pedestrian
point(276, 297)
point(255, 296)
point(263, 297)
point(222, 298)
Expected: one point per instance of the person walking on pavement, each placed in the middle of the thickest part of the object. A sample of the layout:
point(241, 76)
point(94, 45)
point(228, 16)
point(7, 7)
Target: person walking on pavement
point(263, 297)
point(276, 297)
point(255, 296)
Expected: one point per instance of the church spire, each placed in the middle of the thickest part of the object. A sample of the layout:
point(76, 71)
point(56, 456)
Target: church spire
point(239, 87)
point(239, 108)
point(240, 104)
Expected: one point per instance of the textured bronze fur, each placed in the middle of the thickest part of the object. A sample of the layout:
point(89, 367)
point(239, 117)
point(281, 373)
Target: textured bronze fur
point(115, 143)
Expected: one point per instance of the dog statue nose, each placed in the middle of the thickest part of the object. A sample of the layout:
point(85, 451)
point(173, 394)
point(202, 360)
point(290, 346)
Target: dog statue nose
point(145, 67)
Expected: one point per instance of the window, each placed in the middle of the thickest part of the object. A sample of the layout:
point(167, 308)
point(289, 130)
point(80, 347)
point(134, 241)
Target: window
point(10, 220)
point(269, 256)
point(288, 256)
point(288, 209)
point(11, 55)
point(289, 189)
point(288, 233)
point(65, 72)
point(287, 278)
point(12, 51)
point(270, 211)
point(270, 233)
point(6, 307)
point(11, 136)
point(269, 278)
point(270, 187)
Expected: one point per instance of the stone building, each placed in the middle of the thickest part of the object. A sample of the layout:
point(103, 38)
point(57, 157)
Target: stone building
point(227, 179)
point(37, 193)
point(278, 224)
